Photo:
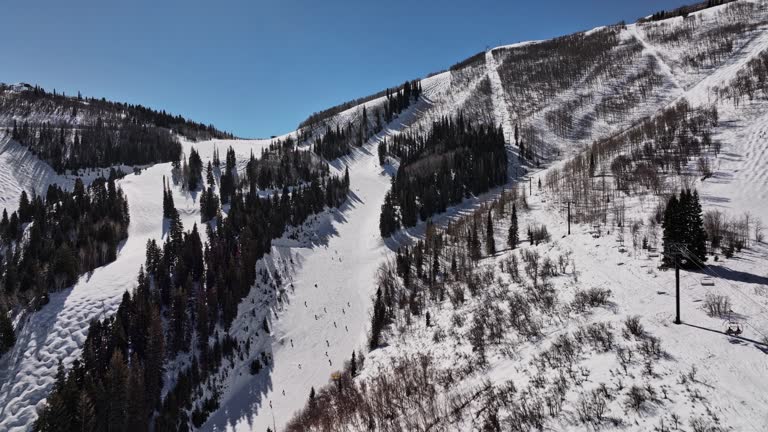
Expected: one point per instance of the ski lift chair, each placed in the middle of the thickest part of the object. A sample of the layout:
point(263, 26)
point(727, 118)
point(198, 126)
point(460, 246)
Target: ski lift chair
point(733, 328)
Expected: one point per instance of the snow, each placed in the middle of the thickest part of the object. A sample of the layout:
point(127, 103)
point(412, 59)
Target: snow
point(58, 330)
point(334, 270)
point(332, 274)
point(22, 171)
point(500, 106)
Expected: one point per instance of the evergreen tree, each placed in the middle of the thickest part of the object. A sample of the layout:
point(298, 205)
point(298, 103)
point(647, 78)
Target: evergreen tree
point(116, 383)
point(513, 238)
point(474, 242)
point(517, 135)
point(7, 335)
point(490, 243)
point(697, 236)
point(378, 320)
point(25, 208)
point(311, 402)
point(195, 170)
point(684, 234)
point(388, 220)
point(209, 175)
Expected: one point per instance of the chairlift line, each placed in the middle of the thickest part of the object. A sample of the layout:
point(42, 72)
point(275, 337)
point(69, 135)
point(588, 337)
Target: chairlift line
point(733, 327)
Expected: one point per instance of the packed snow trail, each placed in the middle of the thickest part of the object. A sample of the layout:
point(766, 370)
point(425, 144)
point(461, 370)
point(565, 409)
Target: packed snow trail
point(500, 108)
point(652, 51)
point(58, 331)
point(336, 280)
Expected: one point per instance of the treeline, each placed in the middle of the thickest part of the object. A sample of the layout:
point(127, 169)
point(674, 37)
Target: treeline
point(750, 81)
point(533, 74)
point(196, 290)
point(708, 41)
point(469, 61)
point(337, 142)
point(100, 144)
point(49, 241)
point(35, 99)
point(637, 159)
point(319, 117)
point(683, 11)
point(79, 132)
point(283, 164)
point(454, 161)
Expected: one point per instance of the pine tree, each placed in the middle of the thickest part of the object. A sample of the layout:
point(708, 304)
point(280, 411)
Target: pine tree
point(7, 335)
point(311, 402)
point(684, 233)
point(474, 242)
point(353, 365)
point(155, 354)
point(377, 321)
point(116, 382)
point(346, 177)
point(195, 169)
point(513, 237)
point(209, 175)
point(25, 208)
point(86, 413)
point(490, 243)
point(388, 220)
point(697, 237)
point(136, 410)
point(517, 137)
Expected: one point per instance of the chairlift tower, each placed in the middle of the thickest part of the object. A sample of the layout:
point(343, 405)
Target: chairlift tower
point(676, 255)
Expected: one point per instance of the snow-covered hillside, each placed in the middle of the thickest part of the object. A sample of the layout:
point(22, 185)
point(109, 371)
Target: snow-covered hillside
point(325, 271)
point(57, 332)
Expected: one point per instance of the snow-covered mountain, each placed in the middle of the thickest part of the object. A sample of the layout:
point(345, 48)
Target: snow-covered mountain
point(576, 361)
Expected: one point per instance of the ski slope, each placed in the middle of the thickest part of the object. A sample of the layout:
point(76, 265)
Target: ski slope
point(330, 277)
point(333, 278)
point(58, 331)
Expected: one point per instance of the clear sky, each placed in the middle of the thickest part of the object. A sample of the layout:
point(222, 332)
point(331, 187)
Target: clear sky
point(258, 67)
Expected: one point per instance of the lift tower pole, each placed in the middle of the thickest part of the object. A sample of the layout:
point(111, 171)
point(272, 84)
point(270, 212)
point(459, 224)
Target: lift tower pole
point(677, 289)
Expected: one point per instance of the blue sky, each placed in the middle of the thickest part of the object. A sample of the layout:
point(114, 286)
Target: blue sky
point(256, 68)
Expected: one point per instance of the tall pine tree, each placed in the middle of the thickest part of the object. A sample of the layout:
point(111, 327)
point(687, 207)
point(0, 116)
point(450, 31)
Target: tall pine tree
point(513, 238)
point(490, 243)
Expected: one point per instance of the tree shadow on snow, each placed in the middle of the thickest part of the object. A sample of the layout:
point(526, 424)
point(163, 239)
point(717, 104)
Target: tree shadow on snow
point(735, 275)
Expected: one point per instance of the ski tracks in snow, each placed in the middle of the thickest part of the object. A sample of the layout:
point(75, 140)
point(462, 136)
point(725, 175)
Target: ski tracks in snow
point(500, 108)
